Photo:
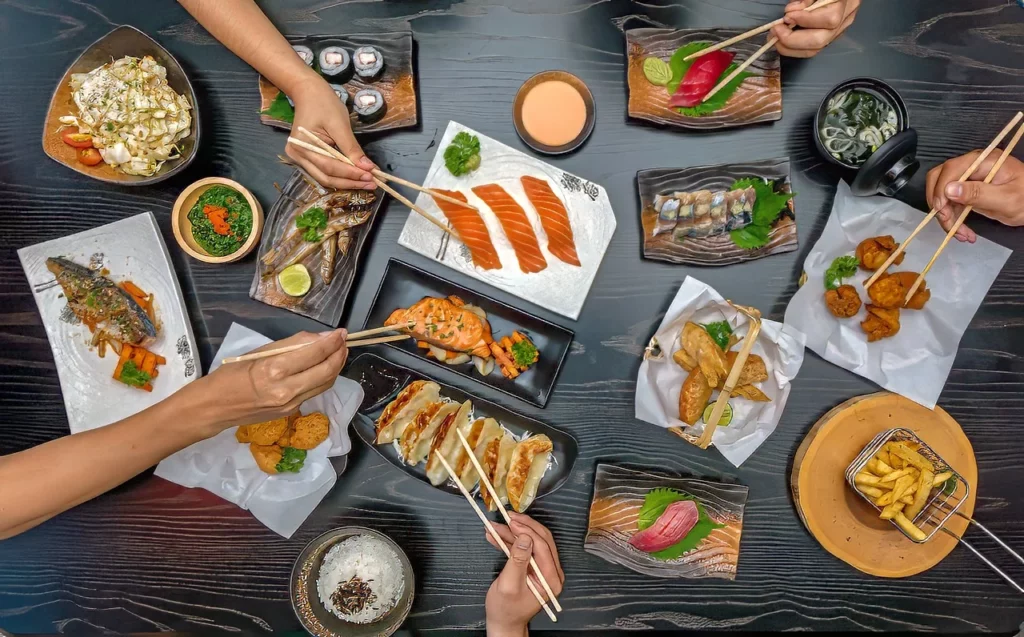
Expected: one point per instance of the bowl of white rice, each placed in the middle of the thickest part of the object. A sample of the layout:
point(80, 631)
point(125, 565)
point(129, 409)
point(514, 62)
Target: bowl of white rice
point(352, 582)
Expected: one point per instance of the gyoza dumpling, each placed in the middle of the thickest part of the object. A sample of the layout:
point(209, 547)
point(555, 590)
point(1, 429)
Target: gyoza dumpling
point(400, 411)
point(483, 431)
point(446, 442)
point(417, 437)
point(496, 460)
point(527, 467)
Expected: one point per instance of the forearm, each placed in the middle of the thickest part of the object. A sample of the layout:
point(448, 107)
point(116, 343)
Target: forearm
point(511, 631)
point(242, 27)
point(41, 482)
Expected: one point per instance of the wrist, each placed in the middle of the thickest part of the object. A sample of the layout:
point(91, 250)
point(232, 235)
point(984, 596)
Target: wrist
point(302, 84)
point(506, 629)
point(201, 409)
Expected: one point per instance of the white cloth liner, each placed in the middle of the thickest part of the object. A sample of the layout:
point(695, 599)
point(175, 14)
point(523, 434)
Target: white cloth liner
point(226, 468)
point(916, 361)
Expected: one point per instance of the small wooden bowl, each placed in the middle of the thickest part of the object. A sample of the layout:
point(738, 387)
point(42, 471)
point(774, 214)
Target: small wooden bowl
point(183, 227)
point(588, 102)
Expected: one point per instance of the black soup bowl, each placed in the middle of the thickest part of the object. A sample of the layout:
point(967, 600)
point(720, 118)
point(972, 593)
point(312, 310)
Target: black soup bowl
point(893, 163)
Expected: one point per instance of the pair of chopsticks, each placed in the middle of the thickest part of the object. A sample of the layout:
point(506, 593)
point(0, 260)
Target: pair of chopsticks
point(754, 316)
point(320, 147)
point(757, 54)
point(485, 481)
point(963, 215)
point(352, 341)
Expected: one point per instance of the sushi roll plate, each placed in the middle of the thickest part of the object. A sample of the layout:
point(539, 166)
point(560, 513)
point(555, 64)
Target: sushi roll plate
point(372, 74)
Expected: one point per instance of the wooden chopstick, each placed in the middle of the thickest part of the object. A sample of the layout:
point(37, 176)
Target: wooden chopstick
point(742, 67)
point(484, 480)
point(934, 211)
point(375, 341)
point(334, 154)
point(354, 336)
point(751, 33)
point(494, 533)
point(963, 215)
point(734, 374)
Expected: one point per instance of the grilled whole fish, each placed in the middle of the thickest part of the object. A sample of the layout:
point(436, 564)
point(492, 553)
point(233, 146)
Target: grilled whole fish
point(351, 207)
point(100, 303)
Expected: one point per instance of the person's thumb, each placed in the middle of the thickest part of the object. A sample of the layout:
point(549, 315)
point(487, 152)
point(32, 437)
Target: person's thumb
point(514, 573)
point(976, 193)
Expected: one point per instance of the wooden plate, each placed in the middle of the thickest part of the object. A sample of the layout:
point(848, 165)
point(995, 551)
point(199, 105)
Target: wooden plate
point(846, 525)
point(122, 41)
point(182, 227)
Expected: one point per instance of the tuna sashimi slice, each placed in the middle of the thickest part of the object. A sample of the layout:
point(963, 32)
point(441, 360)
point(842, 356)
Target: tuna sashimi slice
point(700, 78)
point(671, 526)
point(471, 230)
point(554, 217)
point(516, 225)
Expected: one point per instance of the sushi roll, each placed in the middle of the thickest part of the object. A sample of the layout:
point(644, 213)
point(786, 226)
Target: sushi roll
point(702, 224)
point(342, 94)
point(719, 212)
point(368, 63)
point(369, 105)
point(305, 53)
point(685, 217)
point(667, 208)
point(741, 207)
point(335, 62)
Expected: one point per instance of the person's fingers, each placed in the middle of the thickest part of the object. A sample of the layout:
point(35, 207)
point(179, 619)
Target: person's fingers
point(947, 216)
point(809, 40)
point(319, 374)
point(930, 180)
point(341, 132)
point(282, 366)
point(830, 17)
point(949, 171)
point(513, 577)
point(545, 554)
point(798, 5)
point(522, 519)
point(504, 532)
point(340, 174)
point(783, 33)
point(979, 194)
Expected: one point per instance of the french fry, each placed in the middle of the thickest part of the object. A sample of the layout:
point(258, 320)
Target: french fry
point(885, 500)
point(895, 461)
point(870, 491)
point(883, 458)
point(901, 486)
point(892, 510)
point(941, 477)
point(866, 479)
point(894, 475)
point(907, 499)
point(923, 491)
point(908, 526)
point(911, 457)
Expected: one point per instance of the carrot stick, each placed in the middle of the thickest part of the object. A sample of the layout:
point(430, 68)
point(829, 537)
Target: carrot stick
point(126, 352)
point(507, 366)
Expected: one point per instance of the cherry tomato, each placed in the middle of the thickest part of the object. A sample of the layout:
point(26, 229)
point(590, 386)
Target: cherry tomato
point(89, 156)
point(72, 137)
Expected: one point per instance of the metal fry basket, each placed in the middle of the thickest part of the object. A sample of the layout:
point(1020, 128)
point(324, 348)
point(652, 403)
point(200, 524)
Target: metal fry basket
point(944, 501)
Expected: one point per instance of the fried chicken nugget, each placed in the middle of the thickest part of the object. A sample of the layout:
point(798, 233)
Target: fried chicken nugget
point(920, 297)
point(266, 456)
point(881, 323)
point(310, 431)
point(754, 370)
point(887, 292)
point(267, 433)
point(873, 252)
point(843, 302)
point(694, 396)
point(242, 434)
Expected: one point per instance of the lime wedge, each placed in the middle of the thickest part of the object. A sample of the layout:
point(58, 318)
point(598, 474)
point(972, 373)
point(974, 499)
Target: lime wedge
point(295, 280)
point(726, 415)
point(657, 71)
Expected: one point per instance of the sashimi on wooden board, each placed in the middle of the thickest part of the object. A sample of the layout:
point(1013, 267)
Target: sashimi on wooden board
point(549, 231)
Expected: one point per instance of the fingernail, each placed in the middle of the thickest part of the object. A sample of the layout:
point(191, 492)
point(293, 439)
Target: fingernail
point(366, 177)
point(955, 189)
point(365, 162)
point(524, 541)
point(370, 187)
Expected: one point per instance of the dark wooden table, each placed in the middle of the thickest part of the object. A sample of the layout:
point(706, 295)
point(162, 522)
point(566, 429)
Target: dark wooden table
point(155, 556)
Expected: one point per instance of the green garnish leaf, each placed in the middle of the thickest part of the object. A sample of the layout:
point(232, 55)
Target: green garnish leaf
point(132, 375)
point(463, 154)
point(280, 109)
point(719, 331)
point(523, 353)
point(679, 67)
point(949, 486)
point(292, 460)
point(767, 208)
point(841, 268)
point(657, 71)
point(655, 503)
point(313, 220)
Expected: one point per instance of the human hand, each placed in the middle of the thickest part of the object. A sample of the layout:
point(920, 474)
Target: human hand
point(510, 604)
point(319, 110)
point(255, 391)
point(1002, 200)
point(817, 28)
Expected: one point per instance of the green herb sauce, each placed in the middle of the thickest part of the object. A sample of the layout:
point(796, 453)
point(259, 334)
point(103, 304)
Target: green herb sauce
point(239, 219)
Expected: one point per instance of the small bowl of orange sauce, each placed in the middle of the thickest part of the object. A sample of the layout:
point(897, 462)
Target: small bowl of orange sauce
point(554, 112)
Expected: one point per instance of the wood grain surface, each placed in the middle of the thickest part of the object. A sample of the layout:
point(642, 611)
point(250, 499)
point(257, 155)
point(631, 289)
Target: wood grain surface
point(154, 556)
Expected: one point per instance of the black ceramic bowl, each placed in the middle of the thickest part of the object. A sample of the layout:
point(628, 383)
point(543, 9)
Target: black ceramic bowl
point(891, 166)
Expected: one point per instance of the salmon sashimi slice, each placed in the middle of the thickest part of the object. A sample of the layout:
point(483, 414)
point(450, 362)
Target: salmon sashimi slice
point(516, 225)
point(471, 230)
point(554, 217)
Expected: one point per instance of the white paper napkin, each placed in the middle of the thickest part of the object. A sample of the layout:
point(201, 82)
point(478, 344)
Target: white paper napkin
point(659, 381)
point(223, 466)
point(916, 361)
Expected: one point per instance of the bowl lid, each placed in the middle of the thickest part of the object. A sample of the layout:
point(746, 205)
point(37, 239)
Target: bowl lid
point(890, 167)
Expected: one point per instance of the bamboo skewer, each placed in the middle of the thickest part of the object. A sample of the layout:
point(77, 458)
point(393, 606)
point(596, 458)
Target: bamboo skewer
point(963, 215)
point(484, 480)
point(352, 340)
point(751, 33)
point(734, 374)
point(334, 154)
point(742, 67)
point(934, 211)
point(494, 533)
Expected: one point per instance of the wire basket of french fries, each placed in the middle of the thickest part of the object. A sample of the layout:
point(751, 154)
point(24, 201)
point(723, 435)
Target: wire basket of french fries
point(916, 490)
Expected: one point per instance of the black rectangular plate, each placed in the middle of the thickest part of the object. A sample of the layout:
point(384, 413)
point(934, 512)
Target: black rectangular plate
point(403, 284)
point(381, 381)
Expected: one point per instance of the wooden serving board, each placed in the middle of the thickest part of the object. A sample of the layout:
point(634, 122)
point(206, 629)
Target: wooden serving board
point(717, 249)
point(758, 99)
point(397, 83)
point(846, 525)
